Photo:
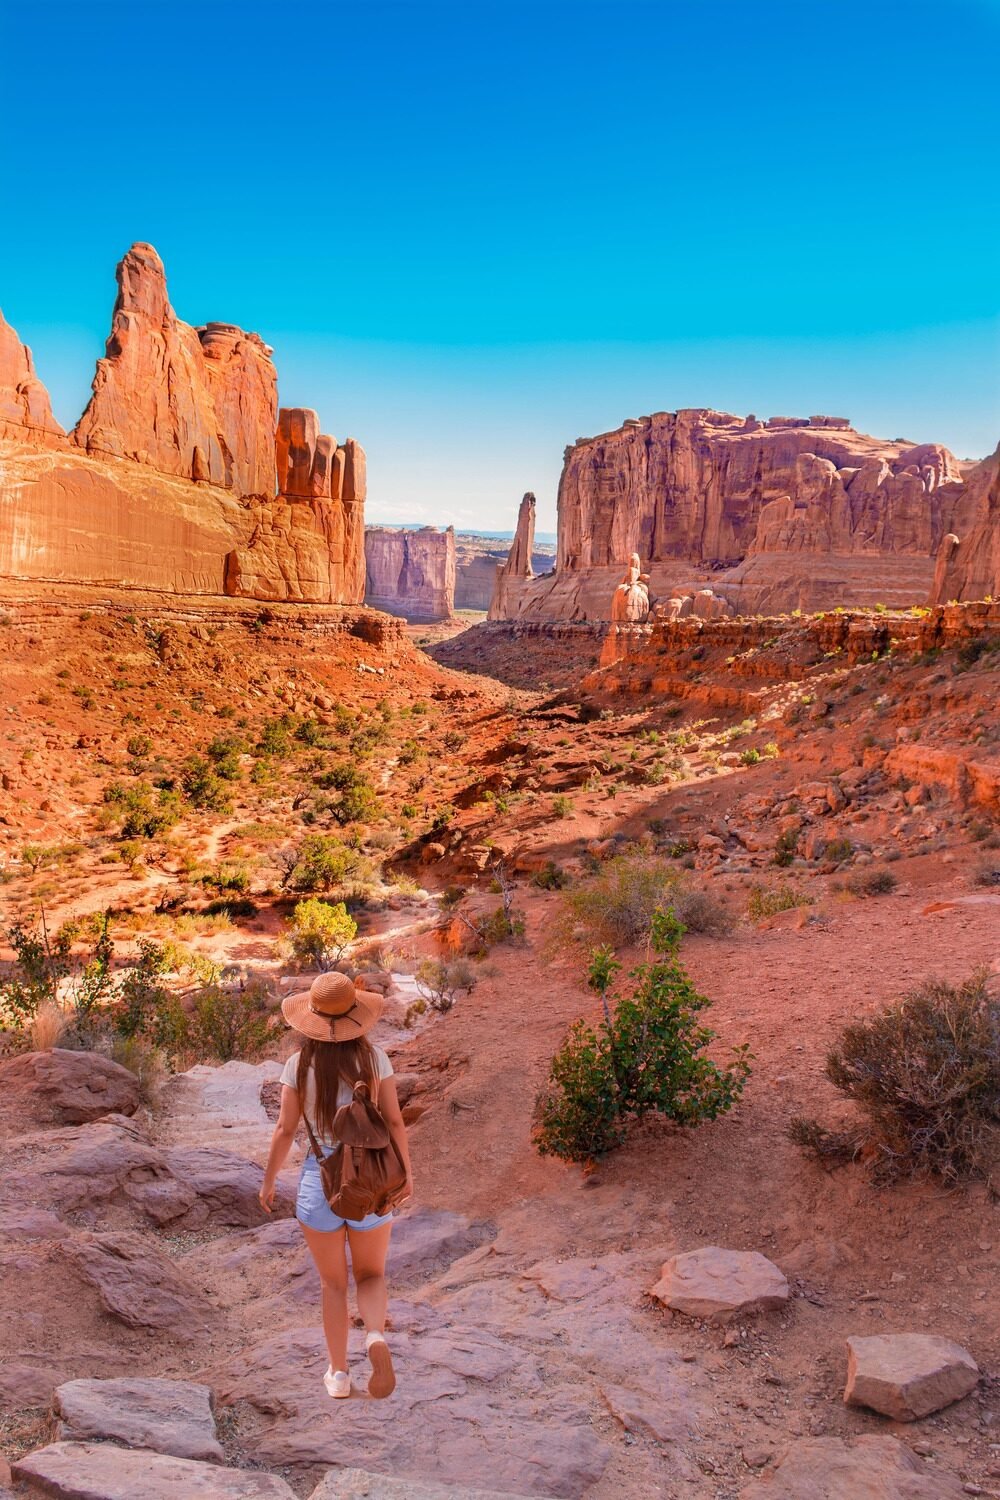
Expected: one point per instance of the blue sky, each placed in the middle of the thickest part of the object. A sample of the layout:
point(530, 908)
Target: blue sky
point(474, 232)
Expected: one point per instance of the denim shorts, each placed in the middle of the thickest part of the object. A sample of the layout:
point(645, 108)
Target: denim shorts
point(312, 1209)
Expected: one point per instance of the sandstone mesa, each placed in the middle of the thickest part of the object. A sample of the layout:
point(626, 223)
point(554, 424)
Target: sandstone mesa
point(790, 513)
point(182, 475)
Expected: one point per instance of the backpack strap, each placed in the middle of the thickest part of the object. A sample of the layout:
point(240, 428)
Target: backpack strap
point(314, 1143)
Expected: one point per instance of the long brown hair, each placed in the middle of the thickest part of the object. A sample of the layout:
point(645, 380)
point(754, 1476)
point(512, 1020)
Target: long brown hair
point(333, 1063)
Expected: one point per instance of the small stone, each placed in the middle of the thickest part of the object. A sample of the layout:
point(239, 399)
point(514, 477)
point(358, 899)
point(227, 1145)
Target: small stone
point(720, 1284)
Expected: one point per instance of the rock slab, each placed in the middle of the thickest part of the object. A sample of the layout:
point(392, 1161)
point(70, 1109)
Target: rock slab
point(907, 1375)
point(359, 1484)
point(874, 1468)
point(720, 1284)
point(169, 1416)
point(101, 1471)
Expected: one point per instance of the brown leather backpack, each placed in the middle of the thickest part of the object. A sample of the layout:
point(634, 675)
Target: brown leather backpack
point(366, 1175)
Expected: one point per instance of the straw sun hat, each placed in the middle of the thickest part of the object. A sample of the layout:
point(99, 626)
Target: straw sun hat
point(332, 1009)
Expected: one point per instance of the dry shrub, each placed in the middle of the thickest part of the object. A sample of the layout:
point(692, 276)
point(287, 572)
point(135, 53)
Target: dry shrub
point(767, 901)
point(47, 1026)
point(617, 906)
point(871, 882)
point(925, 1074)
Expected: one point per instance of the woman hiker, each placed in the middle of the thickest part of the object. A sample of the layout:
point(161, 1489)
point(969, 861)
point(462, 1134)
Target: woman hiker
point(335, 1019)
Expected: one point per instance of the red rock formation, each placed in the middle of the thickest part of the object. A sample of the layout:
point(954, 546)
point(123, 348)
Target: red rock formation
point(411, 573)
point(307, 544)
point(517, 566)
point(968, 565)
point(804, 512)
point(168, 481)
point(25, 410)
point(200, 404)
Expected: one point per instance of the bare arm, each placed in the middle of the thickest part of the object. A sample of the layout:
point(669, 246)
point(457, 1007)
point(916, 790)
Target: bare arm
point(281, 1143)
point(388, 1103)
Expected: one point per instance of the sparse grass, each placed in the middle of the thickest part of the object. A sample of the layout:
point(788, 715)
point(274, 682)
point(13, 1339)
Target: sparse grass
point(618, 904)
point(767, 901)
point(873, 881)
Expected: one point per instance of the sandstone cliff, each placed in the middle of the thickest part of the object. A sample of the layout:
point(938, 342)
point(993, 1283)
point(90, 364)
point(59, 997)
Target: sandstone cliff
point(969, 558)
point(411, 573)
point(169, 479)
point(795, 512)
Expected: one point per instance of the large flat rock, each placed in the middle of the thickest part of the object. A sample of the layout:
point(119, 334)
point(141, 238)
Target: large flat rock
point(907, 1375)
point(720, 1284)
point(359, 1484)
point(169, 1416)
point(101, 1471)
point(873, 1468)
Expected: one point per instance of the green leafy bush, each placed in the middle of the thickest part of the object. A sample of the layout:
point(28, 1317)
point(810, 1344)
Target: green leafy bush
point(647, 1055)
point(229, 1022)
point(925, 1075)
point(320, 863)
point(440, 982)
point(320, 932)
point(143, 813)
point(203, 788)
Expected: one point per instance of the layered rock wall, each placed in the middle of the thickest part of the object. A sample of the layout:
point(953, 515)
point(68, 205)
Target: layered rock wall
point(411, 573)
point(170, 480)
point(968, 564)
point(797, 512)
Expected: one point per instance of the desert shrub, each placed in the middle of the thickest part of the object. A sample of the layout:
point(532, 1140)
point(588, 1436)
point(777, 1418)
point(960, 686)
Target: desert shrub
point(274, 738)
point(550, 877)
point(229, 875)
point(871, 882)
point(320, 863)
point(700, 911)
point(224, 752)
point(647, 1055)
point(45, 971)
point(988, 872)
point(749, 757)
point(320, 932)
point(618, 904)
point(925, 1075)
point(785, 848)
point(562, 806)
point(143, 1009)
point(47, 1026)
point(202, 787)
point(232, 907)
point(767, 901)
point(139, 746)
point(838, 850)
point(143, 812)
point(440, 982)
point(229, 1021)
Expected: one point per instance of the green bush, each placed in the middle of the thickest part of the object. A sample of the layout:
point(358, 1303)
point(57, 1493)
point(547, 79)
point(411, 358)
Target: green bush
point(202, 787)
point(139, 745)
point(562, 806)
point(786, 848)
point(320, 932)
point(144, 813)
point(925, 1075)
point(229, 1022)
point(645, 1056)
point(321, 863)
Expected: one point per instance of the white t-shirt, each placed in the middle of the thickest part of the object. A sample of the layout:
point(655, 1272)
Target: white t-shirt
point(289, 1074)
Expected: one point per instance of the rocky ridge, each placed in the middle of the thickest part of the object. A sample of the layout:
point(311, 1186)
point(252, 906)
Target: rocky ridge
point(170, 479)
point(790, 513)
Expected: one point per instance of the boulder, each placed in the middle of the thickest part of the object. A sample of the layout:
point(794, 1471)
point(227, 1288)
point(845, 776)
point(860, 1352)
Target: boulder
point(720, 1284)
point(907, 1375)
point(360, 1484)
point(102, 1471)
point(136, 1283)
point(23, 1385)
point(60, 1087)
point(873, 1468)
point(169, 1416)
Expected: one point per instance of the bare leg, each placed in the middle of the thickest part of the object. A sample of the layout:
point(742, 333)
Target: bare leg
point(369, 1248)
point(328, 1251)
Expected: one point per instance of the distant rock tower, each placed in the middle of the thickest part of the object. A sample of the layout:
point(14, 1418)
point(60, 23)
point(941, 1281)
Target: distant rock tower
point(518, 564)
